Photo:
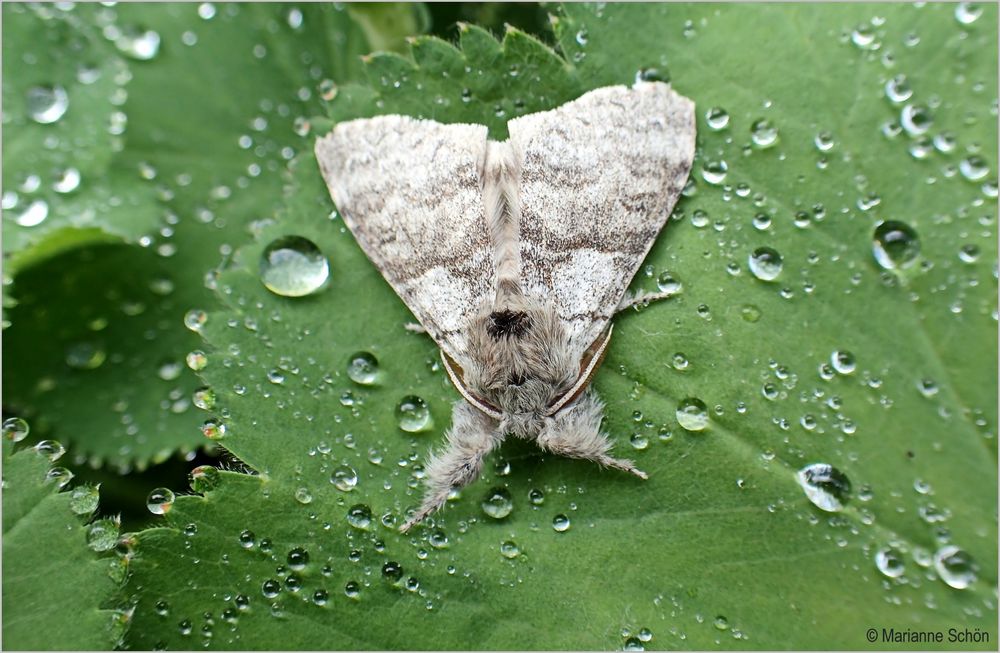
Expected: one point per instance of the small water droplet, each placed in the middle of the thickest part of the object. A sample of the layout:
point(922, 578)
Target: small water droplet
point(84, 499)
point(863, 36)
point(498, 503)
point(51, 449)
point(765, 263)
point(66, 180)
point(195, 319)
point(204, 478)
point(344, 478)
point(889, 562)
point(895, 245)
point(413, 414)
point(392, 571)
point(352, 589)
point(247, 539)
point(160, 501)
point(47, 104)
point(692, 414)
point(666, 283)
point(33, 214)
point(763, 133)
point(843, 362)
point(967, 13)
point(213, 429)
point(824, 141)
point(825, 486)
point(974, 168)
point(362, 368)
point(303, 496)
point(298, 558)
point(60, 476)
point(898, 89)
point(968, 253)
point(204, 398)
point(138, 43)
point(360, 516)
point(955, 567)
point(714, 172)
point(509, 549)
point(915, 119)
point(560, 523)
point(270, 588)
point(717, 118)
point(293, 266)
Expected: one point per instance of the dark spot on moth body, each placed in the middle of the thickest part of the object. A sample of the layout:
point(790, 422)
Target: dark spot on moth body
point(509, 324)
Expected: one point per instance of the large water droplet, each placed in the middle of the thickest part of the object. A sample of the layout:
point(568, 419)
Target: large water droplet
point(763, 133)
point(843, 362)
point(137, 43)
point(344, 478)
point(509, 549)
point(967, 13)
point(915, 119)
point(66, 180)
point(765, 263)
point(293, 266)
point(15, 429)
point(103, 535)
point(717, 118)
point(204, 478)
point(413, 414)
point(898, 89)
point(955, 567)
point(160, 501)
point(33, 214)
point(714, 172)
point(360, 516)
point(692, 414)
point(84, 499)
point(47, 104)
point(51, 449)
point(362, 368)
point(498, 503)
point(560, 523)
point(895, 245)
point(974, 168)
point(825, 486)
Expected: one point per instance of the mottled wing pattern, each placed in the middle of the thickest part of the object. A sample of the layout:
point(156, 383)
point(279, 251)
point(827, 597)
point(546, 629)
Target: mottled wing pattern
point(599, 177)
point(409, 191)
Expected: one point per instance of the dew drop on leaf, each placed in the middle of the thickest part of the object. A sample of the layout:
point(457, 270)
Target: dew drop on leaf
point(763, 133)
point(692, 414)
point(509, 549)
point(765, 263)
point(889, 562)
point(50, 449)
point(160, 501)
point(293, 266)
point(344, 478)
point(955, 567)
point(47, 104)
point(825, 486)
point(33, 214)
point(83, 500)
point(413, 414)
point(60, 476)
point(204, 478)
point(895, 245)
point(717, 118)
point(560, 523)
point(102, 535)
point(498, 503)
point(362, 368)
point(138, 43)
point(360, 516)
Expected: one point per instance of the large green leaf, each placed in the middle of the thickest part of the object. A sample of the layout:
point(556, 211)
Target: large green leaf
point(55, 588)
point(888, 375)
point(96, 354)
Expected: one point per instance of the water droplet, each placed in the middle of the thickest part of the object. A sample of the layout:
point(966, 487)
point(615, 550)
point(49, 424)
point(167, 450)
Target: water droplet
point(320, 597)
point(969, 253)
point(360, 516)
point(765, 263)
point(15, 429)
point(680, 361)
point(898, 89)
point(714, 172)
point(560, 523)
point(33, 214)
point(750, 313)
point(362, 368)
point(393, 571)
point(863, 36)
point(298, 558)
point(974, 168)
point(413, 414)
point(915, 119)
point(47, 104)
point(303, 496)
point(763, 133)
point(509, 549)
point(60, 476)
point(717, 118)
point(652, 75)
point(169, 370)
point(666, 283)
point(247, 539)
point(50, 449)
point(85, 355)
point(204, 478)
point(196, 360)
point(352, 589)
point(843, 362)
point(824, 141)
point(66, 180)
point(955, 567)
point(103, 535)
point(825, 486)
point(633, 644)
point(160, 501)
point(270, 588)
point(536, 497)
point(204, 398)
point(293, 266)
point(967, 13)
point(84, 499)
point(213, 429)
point(895, 245)
point(195, 319)
point(889, 562)
point(692, 414)
point(344, 478)
point(498, 503)
point(137, 43)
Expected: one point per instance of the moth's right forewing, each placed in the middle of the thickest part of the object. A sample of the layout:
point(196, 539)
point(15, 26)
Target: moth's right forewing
point(409, 191)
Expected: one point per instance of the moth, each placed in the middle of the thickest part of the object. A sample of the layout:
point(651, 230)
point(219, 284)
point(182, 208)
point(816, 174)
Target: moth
point(515, 255)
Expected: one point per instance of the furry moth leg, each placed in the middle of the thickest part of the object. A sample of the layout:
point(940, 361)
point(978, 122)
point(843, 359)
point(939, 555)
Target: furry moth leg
point(576, 434)
point(631, 299)
point(471, 437)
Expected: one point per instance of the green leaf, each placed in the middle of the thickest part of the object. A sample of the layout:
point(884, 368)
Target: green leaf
point(54, 586)
point(887, 375)
point(96, 354)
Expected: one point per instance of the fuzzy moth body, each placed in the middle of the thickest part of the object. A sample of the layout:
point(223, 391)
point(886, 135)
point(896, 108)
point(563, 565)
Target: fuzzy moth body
point(515, 255)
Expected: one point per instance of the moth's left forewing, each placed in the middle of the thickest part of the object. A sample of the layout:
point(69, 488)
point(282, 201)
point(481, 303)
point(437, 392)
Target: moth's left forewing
point(599, 178)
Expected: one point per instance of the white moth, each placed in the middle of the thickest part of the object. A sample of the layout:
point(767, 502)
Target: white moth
point(515, 255)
